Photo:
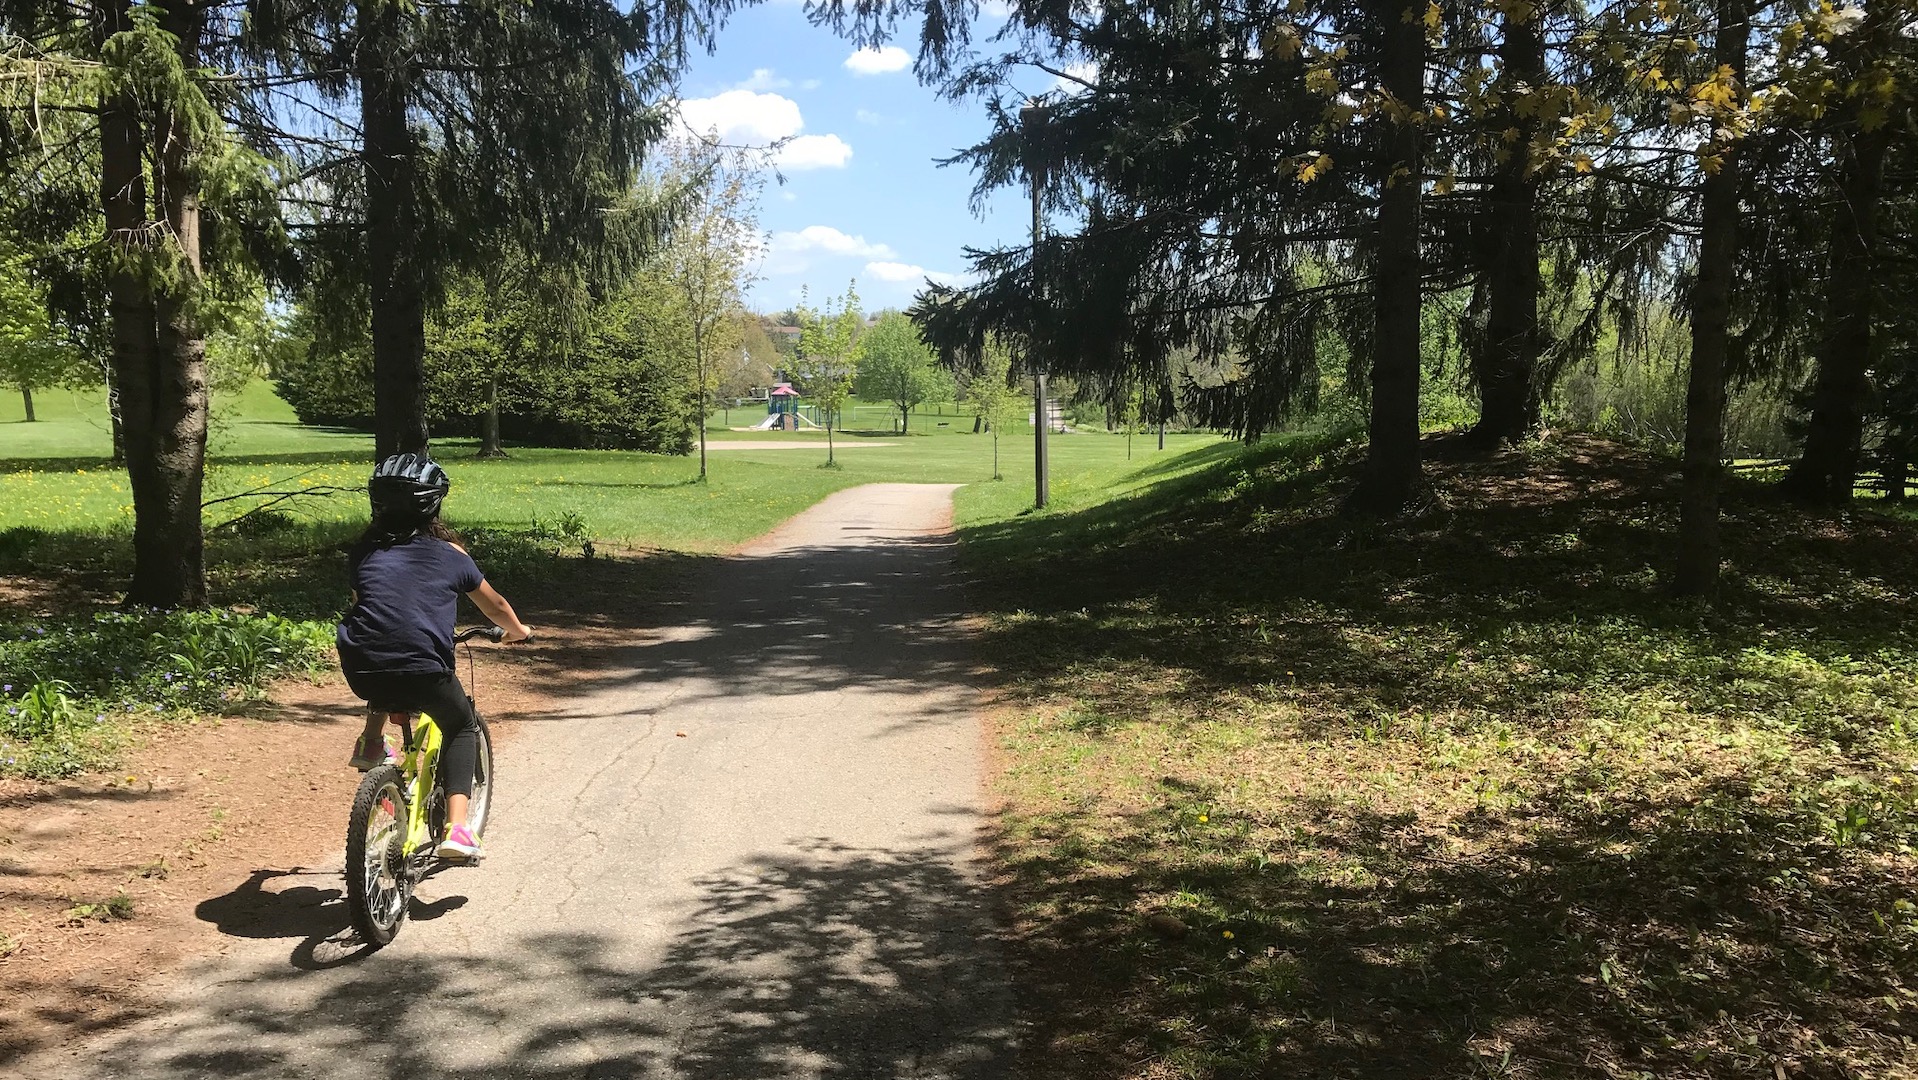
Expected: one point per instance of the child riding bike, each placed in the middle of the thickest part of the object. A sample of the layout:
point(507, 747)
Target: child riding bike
point(396, 641)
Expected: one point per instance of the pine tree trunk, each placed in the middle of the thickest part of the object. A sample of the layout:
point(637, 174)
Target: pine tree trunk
point(26, 397)
point(1703, 467)
point(395, 289)
point(1506, 363)
point(158, 362)
point(1392, 470)
point(490, 446)
point(123, 207)
point(1828, 469)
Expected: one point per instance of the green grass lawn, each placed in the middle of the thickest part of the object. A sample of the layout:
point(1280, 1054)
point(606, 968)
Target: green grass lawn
point(55, 480)
point(54, 476)
point(1290, 794)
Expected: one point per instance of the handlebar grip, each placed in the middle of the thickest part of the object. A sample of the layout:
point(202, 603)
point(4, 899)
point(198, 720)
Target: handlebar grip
point(493, 634)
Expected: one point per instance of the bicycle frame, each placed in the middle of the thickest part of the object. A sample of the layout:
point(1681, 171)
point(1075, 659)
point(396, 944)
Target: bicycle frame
point(419, 767)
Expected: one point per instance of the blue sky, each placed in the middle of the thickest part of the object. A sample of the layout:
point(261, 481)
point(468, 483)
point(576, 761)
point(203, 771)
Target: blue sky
point(863, 197)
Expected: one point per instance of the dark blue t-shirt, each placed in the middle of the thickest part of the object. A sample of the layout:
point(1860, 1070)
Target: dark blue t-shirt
point(408, 602)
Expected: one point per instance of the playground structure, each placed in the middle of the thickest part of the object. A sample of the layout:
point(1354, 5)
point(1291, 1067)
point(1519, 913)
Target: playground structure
point(783, 411)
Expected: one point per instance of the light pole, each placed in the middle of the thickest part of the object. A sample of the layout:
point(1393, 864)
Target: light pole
point(1031, 118)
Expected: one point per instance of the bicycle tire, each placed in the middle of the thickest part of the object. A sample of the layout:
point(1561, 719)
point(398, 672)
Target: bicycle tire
point(481, 805)
point(378, 892)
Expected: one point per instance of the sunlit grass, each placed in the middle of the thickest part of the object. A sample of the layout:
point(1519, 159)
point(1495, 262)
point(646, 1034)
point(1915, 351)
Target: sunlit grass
point(54, 474)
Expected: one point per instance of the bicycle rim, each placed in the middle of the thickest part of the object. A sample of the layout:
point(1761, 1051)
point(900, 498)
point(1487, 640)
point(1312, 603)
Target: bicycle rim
point(482, 801)
point(379, 884)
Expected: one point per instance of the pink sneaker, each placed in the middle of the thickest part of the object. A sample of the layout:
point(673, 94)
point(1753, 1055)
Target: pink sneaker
point(459, 844)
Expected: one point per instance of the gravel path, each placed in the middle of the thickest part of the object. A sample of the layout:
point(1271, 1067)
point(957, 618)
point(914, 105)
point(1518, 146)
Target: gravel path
point(745, 851)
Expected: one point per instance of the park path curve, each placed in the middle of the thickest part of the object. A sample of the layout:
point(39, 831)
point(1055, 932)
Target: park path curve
point(745, 851)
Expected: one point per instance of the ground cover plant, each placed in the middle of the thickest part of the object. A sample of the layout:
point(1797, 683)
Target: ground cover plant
point(1290, 794)
point(70, 684)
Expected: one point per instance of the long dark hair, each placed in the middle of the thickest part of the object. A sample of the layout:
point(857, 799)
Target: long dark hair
point(384, 532)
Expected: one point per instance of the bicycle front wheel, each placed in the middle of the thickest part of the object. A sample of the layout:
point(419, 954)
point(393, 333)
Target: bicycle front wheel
point(378, 885)
point(482, 803)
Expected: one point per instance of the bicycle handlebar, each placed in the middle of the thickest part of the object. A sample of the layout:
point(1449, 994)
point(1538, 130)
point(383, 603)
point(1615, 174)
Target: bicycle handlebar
point(493, 634)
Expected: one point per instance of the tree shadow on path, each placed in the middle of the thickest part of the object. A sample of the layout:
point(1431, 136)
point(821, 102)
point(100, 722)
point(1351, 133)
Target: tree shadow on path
point(825, 962)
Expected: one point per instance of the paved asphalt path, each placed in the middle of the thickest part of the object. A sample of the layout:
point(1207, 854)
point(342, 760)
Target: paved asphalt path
point(786, 890)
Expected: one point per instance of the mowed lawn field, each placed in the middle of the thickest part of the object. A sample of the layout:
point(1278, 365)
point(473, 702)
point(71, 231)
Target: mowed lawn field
point(55, 474)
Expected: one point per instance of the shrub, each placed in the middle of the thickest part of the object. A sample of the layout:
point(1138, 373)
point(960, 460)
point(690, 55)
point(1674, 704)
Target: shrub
point(63, 680)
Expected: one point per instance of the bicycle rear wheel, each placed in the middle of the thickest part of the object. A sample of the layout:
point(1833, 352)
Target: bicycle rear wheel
point(379, 887)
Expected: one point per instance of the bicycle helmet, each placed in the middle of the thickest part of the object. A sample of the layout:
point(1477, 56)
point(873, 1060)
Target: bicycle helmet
point(407, 487)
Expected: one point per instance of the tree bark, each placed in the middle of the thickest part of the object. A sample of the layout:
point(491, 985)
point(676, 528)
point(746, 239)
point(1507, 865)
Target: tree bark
point(113, 415)
point(26, 397)
point(490, 446)
point(1392, 471)
point(1828, 469)
point(123, 206)
point(158, 352)
point(1506, 362)
point(396, 290)
point(1703, 465)
point(699, 412)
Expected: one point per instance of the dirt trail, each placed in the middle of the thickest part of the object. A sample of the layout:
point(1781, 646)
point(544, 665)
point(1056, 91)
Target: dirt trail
point(743, 847)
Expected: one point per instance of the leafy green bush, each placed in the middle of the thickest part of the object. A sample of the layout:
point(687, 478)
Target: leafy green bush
point(63, 680)
point(524, 552)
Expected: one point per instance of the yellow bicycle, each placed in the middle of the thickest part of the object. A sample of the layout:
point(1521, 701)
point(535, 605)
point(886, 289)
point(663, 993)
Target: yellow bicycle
point(398, 814)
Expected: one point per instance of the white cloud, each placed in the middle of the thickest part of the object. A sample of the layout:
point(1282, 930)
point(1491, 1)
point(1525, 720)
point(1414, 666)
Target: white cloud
point(749, 118)
point(789, 196)
point(764, 79)
point(743, 116)
point(887, 270)
point(825, 238)
point(997, 9)
point(810, 84)
point(879, 61)
point(813, 152)
point(867, 116)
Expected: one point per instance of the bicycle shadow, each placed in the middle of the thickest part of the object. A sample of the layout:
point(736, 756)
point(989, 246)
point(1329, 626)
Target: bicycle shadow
point(316, 915)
